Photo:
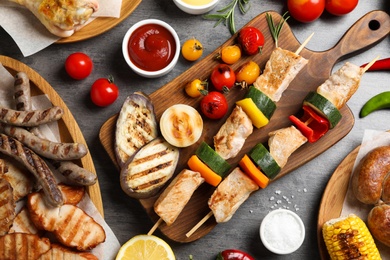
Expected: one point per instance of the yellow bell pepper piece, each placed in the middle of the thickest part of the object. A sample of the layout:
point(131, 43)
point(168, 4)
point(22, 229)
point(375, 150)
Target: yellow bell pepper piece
point(254, 113)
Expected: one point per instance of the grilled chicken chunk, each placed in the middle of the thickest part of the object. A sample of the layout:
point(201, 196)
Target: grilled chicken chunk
point(72, 194)
point(136, 126)
point(7, 206)
point(61, 17)
point(341, 85)
point(19, 177)
point(149, 169)
point(23, 223)
point(173, 199)
point(23, 246)
point(283, 142)
point(281, 68)
point(71, 225)
point(58, 252)
point(233, 133)
point(230, 194)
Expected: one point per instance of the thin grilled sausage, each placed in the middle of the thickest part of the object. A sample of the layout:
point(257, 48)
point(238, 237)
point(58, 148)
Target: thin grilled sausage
point(74, 173)
point(22, 92)
point(44, 147)
point(31, 117)
point(36, 165)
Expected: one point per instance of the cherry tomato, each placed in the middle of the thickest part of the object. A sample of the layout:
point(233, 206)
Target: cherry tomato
point(214, 105)
point(194, 87)
point(251, 40)
point(78, 65)
point(306, 10)
point(340, 7)
point(230, 54)
point(192, 49)
point(223, 77)
point(248, 73)
point(104, 92)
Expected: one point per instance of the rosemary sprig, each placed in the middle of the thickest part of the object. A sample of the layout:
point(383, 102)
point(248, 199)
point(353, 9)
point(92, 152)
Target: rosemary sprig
point(226, 14)
point(275, 29)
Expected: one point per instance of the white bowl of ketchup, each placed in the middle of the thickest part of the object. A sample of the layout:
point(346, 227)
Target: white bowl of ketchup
point(151, 48)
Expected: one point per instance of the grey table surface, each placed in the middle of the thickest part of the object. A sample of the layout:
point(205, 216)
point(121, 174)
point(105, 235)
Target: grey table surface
point(304, 186)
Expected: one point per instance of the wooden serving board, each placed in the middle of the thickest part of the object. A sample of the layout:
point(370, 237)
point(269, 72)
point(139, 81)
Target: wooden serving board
point(68, 127)
point(320, 65)
point(102, 24)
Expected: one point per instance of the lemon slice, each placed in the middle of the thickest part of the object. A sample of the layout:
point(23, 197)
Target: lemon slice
point(145, 247)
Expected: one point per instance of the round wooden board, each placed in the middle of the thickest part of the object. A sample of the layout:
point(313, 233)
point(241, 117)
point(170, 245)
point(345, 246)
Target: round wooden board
point(320, 65)
point(69, 129)
point(102, 24)
point(333, 197)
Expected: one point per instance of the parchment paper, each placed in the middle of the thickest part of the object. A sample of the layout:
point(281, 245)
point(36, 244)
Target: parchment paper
point(29, 33)
point(104, 251)
point(371, 140)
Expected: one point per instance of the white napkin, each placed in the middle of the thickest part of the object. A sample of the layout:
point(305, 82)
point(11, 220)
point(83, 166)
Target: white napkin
point(104, 251)
point(29, 33)
point(371, 140)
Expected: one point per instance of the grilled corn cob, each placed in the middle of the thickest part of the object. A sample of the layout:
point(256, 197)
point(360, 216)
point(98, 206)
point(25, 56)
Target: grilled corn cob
point(349, 238)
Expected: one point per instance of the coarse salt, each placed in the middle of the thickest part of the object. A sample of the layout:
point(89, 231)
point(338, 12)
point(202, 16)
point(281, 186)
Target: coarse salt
point(282, 231)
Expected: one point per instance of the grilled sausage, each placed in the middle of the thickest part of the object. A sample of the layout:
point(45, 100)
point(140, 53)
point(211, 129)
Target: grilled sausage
point(44, 147)
point(35, 164)
point(31, 117)
point(74, 173)
point(22, 92)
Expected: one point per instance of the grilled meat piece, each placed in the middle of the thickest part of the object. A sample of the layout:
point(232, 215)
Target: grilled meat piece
point(30, 118)
point(23, 223)
point(281, 68)
point(23, 246)
point(149, 169)
point(233, 133)
point(230, 194)
point(7, 206)
point(173, 199)
point(283, 142)
point(58, 252)
point(22, 92)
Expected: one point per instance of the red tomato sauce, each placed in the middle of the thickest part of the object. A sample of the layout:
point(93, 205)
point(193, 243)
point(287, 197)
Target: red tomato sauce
point(151, 47)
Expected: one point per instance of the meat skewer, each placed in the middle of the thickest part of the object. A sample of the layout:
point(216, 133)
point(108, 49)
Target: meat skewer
point(285, 141)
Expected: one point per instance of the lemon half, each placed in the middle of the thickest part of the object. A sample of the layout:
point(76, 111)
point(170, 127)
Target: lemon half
point(145, 247)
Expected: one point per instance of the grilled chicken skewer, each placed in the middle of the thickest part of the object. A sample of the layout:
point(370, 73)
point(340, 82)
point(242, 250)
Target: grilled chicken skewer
point(62, 18)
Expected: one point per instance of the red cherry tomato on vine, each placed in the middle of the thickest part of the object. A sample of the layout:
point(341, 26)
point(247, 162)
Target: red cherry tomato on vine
point(78, 65)
point(223, 77)
point(251, 40)
point(104, 92)
point(340, 7)
point(214, 105)
point(306, 10)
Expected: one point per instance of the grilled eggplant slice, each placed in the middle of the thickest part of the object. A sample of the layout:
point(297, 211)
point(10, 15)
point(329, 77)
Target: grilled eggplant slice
point(136, 126)
point(149, 169)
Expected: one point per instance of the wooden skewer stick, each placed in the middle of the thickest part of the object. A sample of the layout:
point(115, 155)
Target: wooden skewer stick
point(155, 226)
point(200, 223)
point(304, 44)
point(370, 64)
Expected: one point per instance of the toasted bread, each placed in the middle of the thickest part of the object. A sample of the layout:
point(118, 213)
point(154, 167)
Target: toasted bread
point(149, 169)
point(58, 252)
point(7, 206)
point(70, 224)
point(23, 246)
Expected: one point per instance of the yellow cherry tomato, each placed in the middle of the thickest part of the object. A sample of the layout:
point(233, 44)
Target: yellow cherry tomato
point(194, 88)
point(192, 49)
point(248, 73)
point(230, 54)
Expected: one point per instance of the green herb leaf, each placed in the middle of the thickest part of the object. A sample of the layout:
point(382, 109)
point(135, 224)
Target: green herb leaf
point(226, 14)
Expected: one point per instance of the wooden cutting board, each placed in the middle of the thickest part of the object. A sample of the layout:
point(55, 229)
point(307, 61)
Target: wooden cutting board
point(370, 29)
point(68, 127)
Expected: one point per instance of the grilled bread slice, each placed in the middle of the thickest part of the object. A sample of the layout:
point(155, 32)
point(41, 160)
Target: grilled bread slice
point(58, 252)
point(7, 206)
point(136, 126)
point(23, 246)
point(71, 225)
point(149, 169)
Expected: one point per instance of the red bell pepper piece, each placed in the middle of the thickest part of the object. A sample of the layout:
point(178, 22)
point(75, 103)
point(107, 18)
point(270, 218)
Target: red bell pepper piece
point(383, 64)
point(311, 125)
point(234, 254)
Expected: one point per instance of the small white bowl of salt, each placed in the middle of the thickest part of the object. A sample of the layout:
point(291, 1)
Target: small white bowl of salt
point(282, 231)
